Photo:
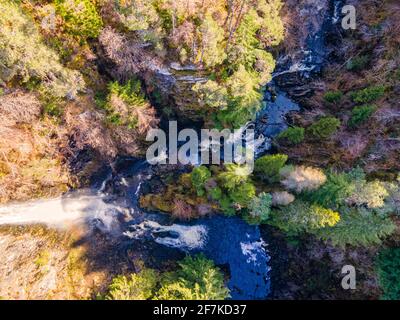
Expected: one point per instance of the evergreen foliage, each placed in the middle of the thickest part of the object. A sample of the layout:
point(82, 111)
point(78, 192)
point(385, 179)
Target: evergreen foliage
point(80, 17)
point(388, 269)
point(199, 177)
point(335, 191)
point(360, 114)
point(333, 96)
point(293, 135)
point(137, 286)
point(358, 227)
point(26, 58)
point(300, 217)
point(269, 166)
point(369, 94)
point(324, 127)
point(259, 209)
point(196, 279)
point(233, 176)
point(124, 102)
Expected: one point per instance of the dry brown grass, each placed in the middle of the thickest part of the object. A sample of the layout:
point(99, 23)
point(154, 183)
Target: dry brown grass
point(30, 162)
point(19, 107)
point(43, 263)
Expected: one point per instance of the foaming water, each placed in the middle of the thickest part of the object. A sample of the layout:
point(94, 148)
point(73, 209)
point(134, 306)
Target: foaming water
point(62, 212)
point(178, 236)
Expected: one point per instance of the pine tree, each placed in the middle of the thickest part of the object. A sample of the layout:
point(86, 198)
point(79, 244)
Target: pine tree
point(233, 176)
point(137, 286)
point(199, 177)
point(196, 279)
point(269, 166)
point(388, 269)
point(300, 217)
point(259, 209)
point(334, 192)
point(358, 227)
point(324, 128)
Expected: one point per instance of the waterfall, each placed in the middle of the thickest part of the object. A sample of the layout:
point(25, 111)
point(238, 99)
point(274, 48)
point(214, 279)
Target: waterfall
point(64, 211)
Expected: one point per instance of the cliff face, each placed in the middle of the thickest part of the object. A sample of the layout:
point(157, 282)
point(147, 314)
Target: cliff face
point(170, 84)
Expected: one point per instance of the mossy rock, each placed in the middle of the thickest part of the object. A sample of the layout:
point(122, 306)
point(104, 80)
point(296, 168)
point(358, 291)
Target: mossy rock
point(185, 180)
point(155, 202)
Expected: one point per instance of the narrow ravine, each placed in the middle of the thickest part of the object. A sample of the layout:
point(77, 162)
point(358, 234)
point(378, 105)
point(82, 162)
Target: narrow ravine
point(112, 204)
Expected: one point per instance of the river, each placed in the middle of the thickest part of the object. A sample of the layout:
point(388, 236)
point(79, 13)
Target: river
point(233, 244)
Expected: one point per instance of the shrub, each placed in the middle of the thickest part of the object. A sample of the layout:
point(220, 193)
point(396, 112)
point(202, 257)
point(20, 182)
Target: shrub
point(303, 178)
point(19, 107)
point(196, 279)
point(294, 135)
point(369, 94)
point(388, 269)
point(333, 96)
point(227, 206)
point(80, 17)
point(259, 209)
point(215, 193)
point(243, 194)
point(358, 63)
point(127, 106)
point(324, 127)
point(360, 114)
point(137, 286)
point(282, 198)
point(372, 194)
point(392, 201)
point(199, 177)
point(334, 192)
point(268, 167)
point(358, 227)
point(300, 216)
point(234, 175)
